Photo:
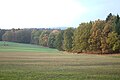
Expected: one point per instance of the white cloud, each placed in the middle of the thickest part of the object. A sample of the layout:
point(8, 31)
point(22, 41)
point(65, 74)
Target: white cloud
point(36, 13)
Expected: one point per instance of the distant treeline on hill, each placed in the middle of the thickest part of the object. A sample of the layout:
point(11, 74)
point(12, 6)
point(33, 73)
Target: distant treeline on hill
point(99, 36)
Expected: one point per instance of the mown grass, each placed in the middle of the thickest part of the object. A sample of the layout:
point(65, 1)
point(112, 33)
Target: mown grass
point(30, 65)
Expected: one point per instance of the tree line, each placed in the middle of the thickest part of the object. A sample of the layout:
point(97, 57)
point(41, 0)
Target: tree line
point(99, 36)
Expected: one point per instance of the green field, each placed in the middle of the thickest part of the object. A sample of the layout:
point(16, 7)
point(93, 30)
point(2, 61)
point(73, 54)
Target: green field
point(31, 62)
point(17, 47)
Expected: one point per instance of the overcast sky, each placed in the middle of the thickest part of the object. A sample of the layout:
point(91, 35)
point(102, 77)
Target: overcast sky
point(53, 13)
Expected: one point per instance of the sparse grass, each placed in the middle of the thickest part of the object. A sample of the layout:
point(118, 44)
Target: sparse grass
point(43, 65)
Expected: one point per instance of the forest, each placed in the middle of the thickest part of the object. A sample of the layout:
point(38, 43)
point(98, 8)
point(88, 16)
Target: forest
point(99, 36)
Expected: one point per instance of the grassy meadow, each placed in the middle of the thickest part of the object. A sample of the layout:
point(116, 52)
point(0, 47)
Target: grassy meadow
point(20, 47)
point(32, 62)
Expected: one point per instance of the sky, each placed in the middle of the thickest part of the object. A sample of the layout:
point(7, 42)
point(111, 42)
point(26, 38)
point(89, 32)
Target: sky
point(53, 13)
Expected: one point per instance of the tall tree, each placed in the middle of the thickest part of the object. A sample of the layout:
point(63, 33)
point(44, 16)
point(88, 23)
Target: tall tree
point(52, 38)
point(109, 17)
point(68, 39)
point(23, 36)
point(2, 31)
point(32, 36)
point(7, 36)
point(43, 39)
point(117, 29)
point(96, 35)
point(81, 36)
point(35, 34)
point(59, 40)
point(110, 26)
point(113, 42)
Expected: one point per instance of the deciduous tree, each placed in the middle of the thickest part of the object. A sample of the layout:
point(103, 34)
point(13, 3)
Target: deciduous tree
point(68, 39)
